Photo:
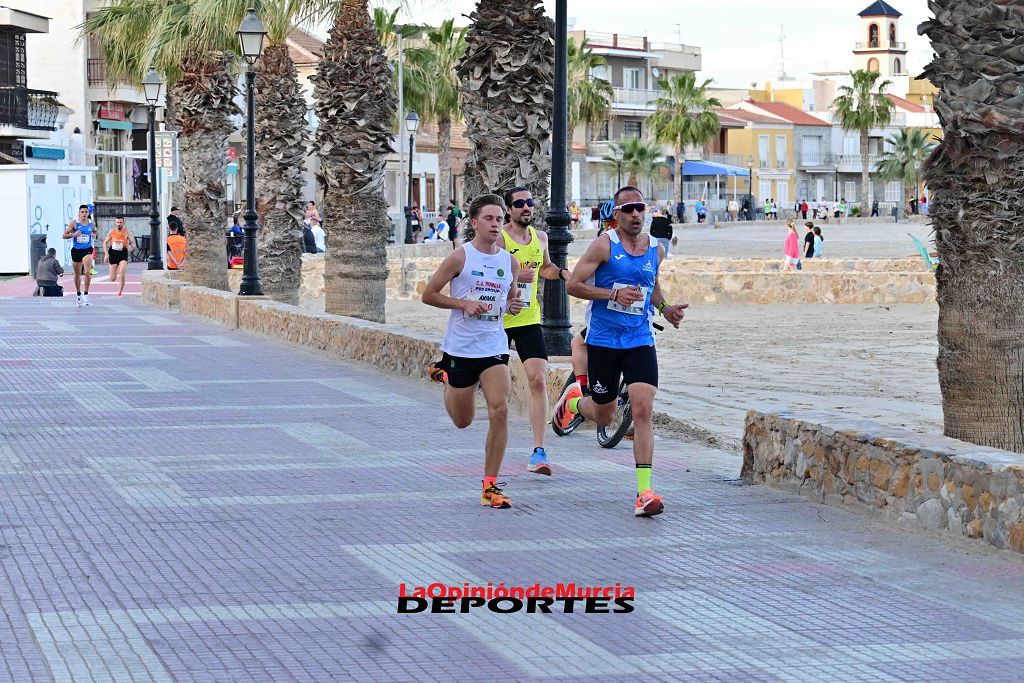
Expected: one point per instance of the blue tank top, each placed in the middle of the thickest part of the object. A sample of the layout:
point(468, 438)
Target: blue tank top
point(611, 324)
point(83, 241)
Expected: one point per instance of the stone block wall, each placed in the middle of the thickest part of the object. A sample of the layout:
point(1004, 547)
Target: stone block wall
point(212, 304)
point(926, 481)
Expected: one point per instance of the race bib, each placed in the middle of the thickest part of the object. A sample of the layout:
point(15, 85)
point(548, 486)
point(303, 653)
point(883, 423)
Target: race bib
point(636, 309)
point(117, 246)
point(493, 309)
point(525, 293)
point(83, 239)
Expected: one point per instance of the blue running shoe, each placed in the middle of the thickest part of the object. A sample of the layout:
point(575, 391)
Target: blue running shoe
point(539, 462)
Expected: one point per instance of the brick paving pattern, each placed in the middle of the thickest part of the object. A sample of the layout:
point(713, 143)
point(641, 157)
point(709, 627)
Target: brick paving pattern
point(183, 503)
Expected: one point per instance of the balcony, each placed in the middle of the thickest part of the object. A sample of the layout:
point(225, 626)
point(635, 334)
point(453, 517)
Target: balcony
point(617, 42)
point(102, 87)
point(737, 160)
point(854, 163)
point(27, 110)
point(96, 71)
point(880, 45)
point(628, 98)
point(816, 160)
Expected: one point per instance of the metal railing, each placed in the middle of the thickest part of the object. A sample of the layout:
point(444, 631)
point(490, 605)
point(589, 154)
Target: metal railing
point(616, 41)
point(737, 160)
point(30, 109)
point(631, 96)
point(880, 44)
point(810, 159)
point(96, 71)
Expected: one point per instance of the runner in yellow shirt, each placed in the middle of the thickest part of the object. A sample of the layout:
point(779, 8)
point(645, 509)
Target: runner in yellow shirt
point(529, 247)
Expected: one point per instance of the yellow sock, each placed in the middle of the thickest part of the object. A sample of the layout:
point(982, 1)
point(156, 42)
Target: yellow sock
point(643, 478)
point(574, 405)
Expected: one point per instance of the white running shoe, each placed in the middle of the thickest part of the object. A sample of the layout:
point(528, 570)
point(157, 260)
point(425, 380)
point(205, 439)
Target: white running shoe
point(85, 299)
point(78, 301)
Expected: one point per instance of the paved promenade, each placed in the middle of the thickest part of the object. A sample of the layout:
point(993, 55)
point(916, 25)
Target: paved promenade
point(180, 502)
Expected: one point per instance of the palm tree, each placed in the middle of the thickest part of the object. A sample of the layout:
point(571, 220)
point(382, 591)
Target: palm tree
point(976, 209)
point(640, 159)
point(863, 107)
point(355, 104)
point(282, 133)
point(136, 34)
point(589, 97)
point(684, 118)
point(903, 161)
point(435, 92)
point(507, 85)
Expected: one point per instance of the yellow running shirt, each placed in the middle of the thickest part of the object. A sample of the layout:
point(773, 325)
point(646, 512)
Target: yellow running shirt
point(529, 255)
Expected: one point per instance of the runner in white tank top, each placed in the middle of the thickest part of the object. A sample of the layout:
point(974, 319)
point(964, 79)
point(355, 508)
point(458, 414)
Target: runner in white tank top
point(480, 275)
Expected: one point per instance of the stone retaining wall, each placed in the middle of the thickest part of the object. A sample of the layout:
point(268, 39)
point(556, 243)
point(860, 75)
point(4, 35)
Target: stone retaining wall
point(926, 481)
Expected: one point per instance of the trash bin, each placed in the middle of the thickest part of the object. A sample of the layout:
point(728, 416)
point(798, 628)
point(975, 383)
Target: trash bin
point(38, 251)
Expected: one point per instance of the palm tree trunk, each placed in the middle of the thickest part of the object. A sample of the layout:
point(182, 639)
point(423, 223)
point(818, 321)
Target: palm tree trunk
point(507, 85)
point(355, 103)
point(205, 96)
point(281, 144)
point(977, 210)
point(177, 195)
point(444, 153)
point(865, 171)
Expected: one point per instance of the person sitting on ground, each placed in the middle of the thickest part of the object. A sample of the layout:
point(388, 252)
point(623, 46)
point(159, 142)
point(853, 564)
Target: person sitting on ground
point(48, 272)
point(818, 242)
point(431, 234)
point(176, 249)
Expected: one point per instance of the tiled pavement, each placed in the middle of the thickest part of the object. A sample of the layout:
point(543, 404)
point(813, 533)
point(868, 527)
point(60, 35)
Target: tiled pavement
point(179, 502)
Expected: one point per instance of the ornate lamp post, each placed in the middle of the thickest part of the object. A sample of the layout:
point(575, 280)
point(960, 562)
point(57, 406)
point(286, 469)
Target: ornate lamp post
point(555, 308)
point(750, 197)
point(250, 36)
point(412, 122)
point(151, 86)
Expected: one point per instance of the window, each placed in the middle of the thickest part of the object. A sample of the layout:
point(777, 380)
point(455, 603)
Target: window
point(873, 65)
point(62, 180)
point(810, 150)
point(631, 129)
point(873, 35)
point(893, 191)
point(109, 177)
point(631, 79)
point(850, 191)
point(851, 146)
point(602, 132)
point(819, 188)
point(892, 33)
point(763, 152)
point(599, 72)
point(781, 151)
point(897, 67)
point(39, 179)
point(604, 185)
point(766, 189)
point(782, 193)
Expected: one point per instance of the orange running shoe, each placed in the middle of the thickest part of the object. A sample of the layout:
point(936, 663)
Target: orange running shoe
point(494, 497)
point(648, 504)
point(563, 416)
point(437, 374)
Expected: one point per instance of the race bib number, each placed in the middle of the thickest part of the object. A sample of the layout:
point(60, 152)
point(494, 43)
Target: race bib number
point(117, 246)
point(636, 309)
point(525, 293)
point(493, 309)
point(82, 239)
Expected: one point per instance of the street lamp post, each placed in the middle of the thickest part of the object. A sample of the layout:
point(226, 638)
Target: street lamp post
point(750, 195)
point(412, 122)
point(151, 86)
point(555, 309)
point(250, 36)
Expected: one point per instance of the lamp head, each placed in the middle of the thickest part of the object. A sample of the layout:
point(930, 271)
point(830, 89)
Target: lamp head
point(251, 33)
point(152, 85)
point(412, 122)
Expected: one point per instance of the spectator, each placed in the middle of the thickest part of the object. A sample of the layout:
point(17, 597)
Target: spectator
point(48, 272)
point(431, 235)
point(701, 210)
point(733, 207)
point(176, 249)
point(312, 213)
point(661, 230)
point(874, 208)
point(308, 238)
point(319, 237)
point(809, 240)
point(804, 208)
point(924, 206)
point(775, 210)
point(680, 212)
point(174, 219)
point(913, 206)
point(818, 242)
point(791, 249)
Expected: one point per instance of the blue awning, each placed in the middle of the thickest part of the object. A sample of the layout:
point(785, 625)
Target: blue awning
point(114, 125)
point(711, 168)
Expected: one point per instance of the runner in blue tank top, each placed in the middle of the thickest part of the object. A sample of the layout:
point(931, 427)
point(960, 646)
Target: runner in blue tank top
point(619, 274)
point(81, 232)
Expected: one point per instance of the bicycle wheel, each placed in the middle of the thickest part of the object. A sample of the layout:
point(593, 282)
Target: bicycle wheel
point(610, 435)
point(576, 421)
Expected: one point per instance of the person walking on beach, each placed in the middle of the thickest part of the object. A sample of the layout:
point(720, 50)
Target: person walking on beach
point(818, 242)
point(791, 249)
point(809, 240)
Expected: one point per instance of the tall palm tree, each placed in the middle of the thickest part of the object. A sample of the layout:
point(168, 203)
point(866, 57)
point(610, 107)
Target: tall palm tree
point(507, 85)
point(136, 34)
point(977, 211)
point(355, 104)
point(904, 160)
point(282, 133)
point(589, 97)
point(435, 92)
point(863, 107)
point(684, 118)
point(640, 159)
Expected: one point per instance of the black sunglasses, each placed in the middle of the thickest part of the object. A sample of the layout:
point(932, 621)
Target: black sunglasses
point(520, 203)
point(630, 208)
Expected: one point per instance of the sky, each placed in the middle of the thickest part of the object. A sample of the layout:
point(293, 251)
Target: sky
point(739, 39)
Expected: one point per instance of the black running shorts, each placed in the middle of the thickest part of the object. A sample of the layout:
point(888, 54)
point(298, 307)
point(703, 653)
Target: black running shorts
point(528, 340)
point(116, 256)
point(78, 254)
point(606, 366)
point(465, 372)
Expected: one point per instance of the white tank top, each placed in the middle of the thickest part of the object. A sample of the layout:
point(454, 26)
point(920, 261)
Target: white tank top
point(487, 278)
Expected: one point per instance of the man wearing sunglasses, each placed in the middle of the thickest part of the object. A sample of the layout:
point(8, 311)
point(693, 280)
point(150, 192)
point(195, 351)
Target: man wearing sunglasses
point(529, 247)
point(619, 274)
